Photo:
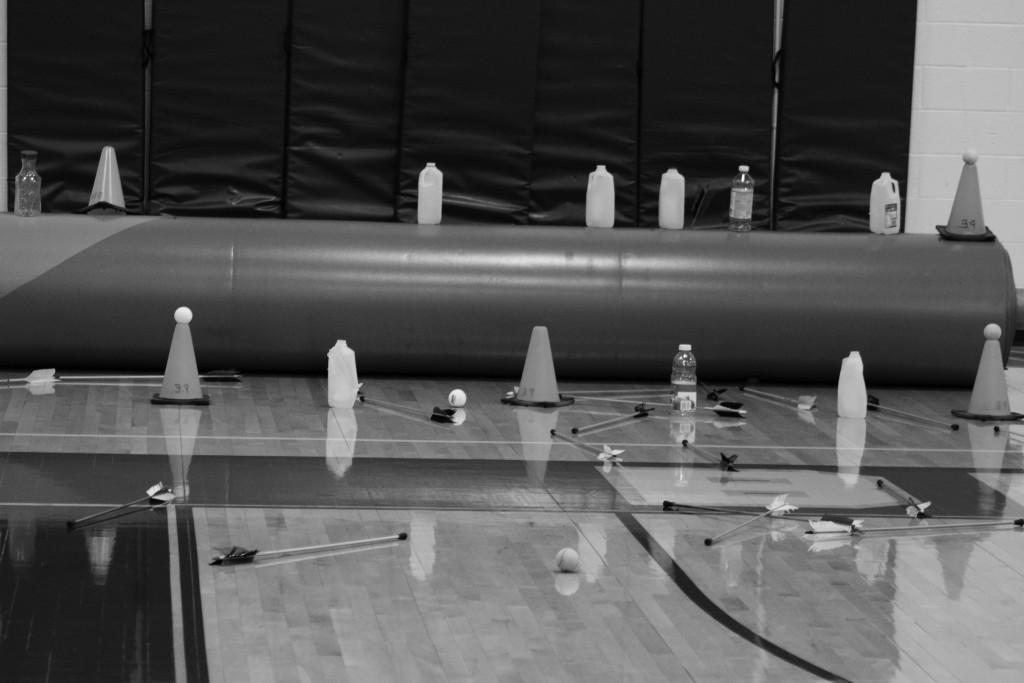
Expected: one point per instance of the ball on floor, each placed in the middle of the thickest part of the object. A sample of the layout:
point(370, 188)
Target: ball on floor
point(457, 398)
point(567, 560)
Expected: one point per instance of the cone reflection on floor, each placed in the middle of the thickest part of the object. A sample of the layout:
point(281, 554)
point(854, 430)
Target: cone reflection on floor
point(966, 221)
point(535, 427)
point(99, 542)
point(538, 387)
point(988, 447)
point(181, 426)
point(181, 376)
point(990, 399)
point(106, 188)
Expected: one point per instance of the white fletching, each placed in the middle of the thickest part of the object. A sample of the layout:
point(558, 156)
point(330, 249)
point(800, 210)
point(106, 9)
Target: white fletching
point(825, 526)
point(915, 510)
point(779, 506)
point(610, 454)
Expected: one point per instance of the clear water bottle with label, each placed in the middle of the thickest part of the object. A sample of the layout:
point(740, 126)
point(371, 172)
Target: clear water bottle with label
point(28, 187)
point(684, 381)
point(741, 201)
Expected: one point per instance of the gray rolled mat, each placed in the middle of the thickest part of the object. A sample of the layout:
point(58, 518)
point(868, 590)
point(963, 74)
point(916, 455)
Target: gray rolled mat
point(461, 300)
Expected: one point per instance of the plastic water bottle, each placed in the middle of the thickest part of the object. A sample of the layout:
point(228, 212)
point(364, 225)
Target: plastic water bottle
point(28, 187)
point(884, 214)
point(741, 201)
point(428, 199)
point(853, 394)
point(684, 381)
point(672, 200)
point(600, 198)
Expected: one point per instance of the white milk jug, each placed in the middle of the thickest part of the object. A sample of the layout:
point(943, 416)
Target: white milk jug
point(342, 380)
point(600, 199)
point(853, 393)
point(672, 200)
point(884, 214)
point(428, 199)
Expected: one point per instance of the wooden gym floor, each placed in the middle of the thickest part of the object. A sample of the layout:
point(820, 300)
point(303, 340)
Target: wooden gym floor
point(473, 593)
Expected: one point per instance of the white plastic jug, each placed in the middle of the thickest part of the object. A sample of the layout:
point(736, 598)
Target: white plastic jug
point(428, 198)
point(884, 213)
point(672, 200)
point(600, 198)
point(853, 393)
point(342, 379)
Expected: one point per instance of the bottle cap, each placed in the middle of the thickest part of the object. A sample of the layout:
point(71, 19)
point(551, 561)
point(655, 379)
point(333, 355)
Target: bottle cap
point(601, 167)
point(744, 169)
point(685, 347)
point(431, 164)
point(29, 153)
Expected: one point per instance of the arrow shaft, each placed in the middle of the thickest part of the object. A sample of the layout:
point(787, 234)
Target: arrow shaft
point(924, 418)
point(328, 546)
point(578, 444)
point(942, 527)
point(627, 392)
point(737, 528)
point(898, 493)
point(112, 510)
point(609, 423)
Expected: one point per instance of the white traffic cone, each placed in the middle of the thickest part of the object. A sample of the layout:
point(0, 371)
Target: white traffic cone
point(990, 398)
point(538, 387)
point(181, 376)
point(966, 220)
point(106, 188)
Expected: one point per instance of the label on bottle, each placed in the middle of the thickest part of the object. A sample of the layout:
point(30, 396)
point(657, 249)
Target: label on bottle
point(741, 204)
point(892, 216)
point(684, 401)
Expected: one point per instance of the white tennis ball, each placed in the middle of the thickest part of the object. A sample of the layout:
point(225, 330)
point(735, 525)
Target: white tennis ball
point(457, 398)
point(567, 560)
point(183, 315)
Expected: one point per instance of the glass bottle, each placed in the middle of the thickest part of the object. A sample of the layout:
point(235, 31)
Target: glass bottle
point(28, 187)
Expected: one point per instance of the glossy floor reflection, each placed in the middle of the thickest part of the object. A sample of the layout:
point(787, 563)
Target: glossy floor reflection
point(473, 593)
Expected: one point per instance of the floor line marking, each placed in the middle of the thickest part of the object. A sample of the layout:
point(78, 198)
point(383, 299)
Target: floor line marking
point(476, 442)
point(701, 599)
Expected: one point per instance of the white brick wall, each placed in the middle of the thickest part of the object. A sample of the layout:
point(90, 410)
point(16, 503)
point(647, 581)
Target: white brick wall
point(969, 93)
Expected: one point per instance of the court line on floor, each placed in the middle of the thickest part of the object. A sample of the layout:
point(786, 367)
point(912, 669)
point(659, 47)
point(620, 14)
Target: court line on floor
point(191, 600)
point(477, 442)
point(687, 585)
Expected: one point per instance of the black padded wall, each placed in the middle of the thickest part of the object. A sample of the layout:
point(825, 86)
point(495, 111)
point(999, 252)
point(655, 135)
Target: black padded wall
point(586, 109)
point(75, 85)
point(468, 106)
point(706, 103)
point(844, 109)
point(347, 71)
point(218, 107)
